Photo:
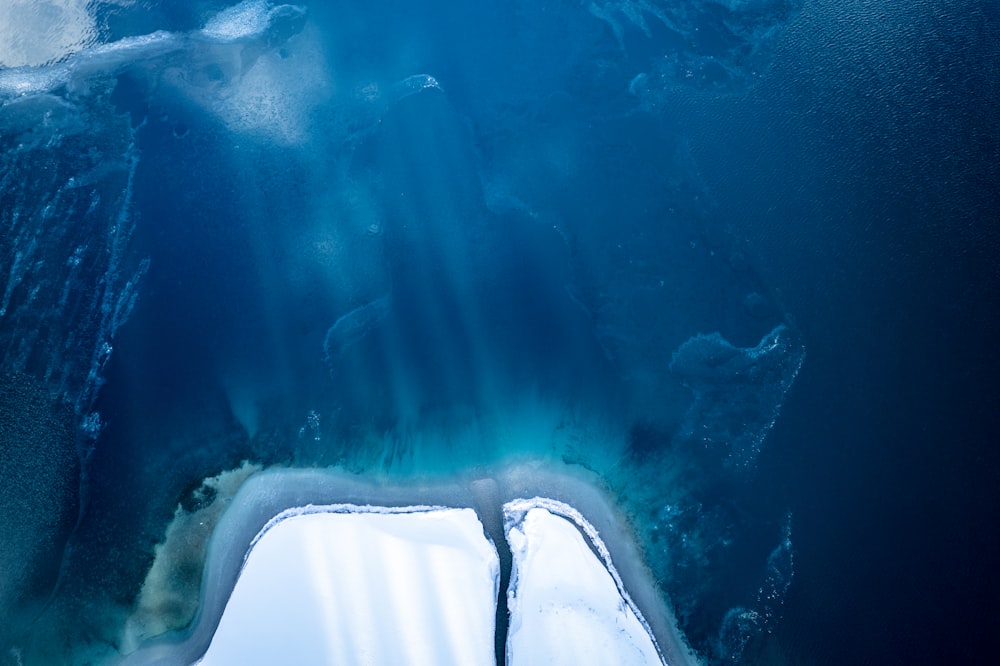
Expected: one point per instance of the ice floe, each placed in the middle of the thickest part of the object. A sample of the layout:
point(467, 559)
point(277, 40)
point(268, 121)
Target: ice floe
point(566, 601)
point(362, 585)
point(325, 567)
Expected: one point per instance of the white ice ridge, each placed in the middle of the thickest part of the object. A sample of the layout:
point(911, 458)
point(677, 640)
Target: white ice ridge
point(345, 584)
point(566, 600)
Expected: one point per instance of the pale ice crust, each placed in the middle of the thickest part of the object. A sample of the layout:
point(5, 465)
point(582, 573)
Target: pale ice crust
point(275, 497)
point(363, 585)
point(566, 600)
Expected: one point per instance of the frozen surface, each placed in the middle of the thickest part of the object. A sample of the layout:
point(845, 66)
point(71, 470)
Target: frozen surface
point(363, 585)
point(354, 573)
point(34, 32)
point(566, 601)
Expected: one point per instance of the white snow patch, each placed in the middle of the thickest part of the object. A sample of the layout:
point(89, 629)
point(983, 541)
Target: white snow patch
point(345, 584)
point(567, 604)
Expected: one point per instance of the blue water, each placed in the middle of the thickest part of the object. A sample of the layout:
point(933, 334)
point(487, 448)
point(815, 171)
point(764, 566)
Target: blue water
point(738, 258)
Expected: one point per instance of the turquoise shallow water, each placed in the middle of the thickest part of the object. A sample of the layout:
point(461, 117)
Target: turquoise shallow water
point(738, 259)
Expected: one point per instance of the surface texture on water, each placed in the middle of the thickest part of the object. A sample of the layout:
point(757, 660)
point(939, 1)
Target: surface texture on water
point(738, 258)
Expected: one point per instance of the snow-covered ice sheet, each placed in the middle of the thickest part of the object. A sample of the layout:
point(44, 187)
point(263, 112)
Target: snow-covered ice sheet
point(567, 605)
point(415, 579)
point(363, 585)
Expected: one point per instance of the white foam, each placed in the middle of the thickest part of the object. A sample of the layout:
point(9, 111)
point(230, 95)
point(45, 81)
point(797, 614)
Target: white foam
point(363, 585)
point(567, 604)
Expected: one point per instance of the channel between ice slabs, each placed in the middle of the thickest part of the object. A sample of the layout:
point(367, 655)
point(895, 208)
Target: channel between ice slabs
point(355, 583)
point(418, 585)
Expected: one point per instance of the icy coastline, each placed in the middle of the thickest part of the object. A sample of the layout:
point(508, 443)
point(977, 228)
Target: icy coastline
point(427, 555)
point(564, 585)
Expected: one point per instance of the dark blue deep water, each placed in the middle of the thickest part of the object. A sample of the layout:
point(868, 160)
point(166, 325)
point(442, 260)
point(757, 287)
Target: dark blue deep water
point(740, 258)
